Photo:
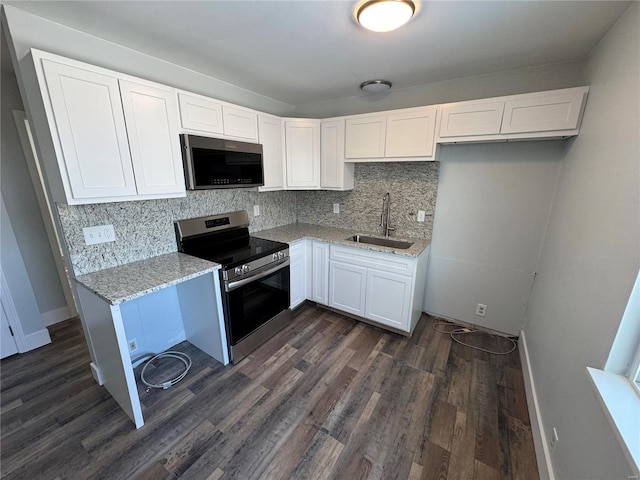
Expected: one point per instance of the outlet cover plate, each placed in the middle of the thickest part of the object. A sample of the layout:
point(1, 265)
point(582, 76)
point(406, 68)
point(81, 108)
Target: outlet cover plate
point(99, 234)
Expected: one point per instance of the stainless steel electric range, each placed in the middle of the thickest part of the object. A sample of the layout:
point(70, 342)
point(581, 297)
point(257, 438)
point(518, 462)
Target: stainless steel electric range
point(254, 277)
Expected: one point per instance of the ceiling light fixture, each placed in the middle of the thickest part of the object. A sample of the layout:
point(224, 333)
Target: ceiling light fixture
point(385, 15)
point(375, 86)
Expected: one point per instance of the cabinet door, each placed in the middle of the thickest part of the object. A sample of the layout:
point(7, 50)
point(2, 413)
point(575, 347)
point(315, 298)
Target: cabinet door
point(91, 130)
point(545, 112)
point(299, 273)
point(365, 137)
point(347, 287)
point(302, 140)
point(388, 299)
point(199, 113)
point(411, 134)
point(298, 286)
point(270, 135)
point(240, 123)
point(320, 273)
point(334, 173)
point(473, 118)
point(151, 116)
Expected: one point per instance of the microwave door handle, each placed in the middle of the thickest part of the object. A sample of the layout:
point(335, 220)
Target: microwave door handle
point(231, 286)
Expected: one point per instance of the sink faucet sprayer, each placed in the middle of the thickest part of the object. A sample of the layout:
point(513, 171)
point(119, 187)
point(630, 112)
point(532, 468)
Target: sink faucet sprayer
point(386, 215)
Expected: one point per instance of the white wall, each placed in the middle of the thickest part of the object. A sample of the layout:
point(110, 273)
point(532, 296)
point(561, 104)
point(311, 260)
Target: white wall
point(590, 260)
point(23, 210)
point(18, 281)
point(509, 82)
point(30, 31)
point(491, 212)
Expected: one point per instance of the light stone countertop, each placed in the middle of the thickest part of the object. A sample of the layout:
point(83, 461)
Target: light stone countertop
point(296, 232)
point(132, 280)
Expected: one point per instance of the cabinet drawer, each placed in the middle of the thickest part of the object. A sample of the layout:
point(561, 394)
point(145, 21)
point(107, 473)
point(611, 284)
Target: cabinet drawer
point(381, 261)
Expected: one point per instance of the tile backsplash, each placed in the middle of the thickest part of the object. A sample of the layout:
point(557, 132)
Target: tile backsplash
point(144, 229)
point(413, 186)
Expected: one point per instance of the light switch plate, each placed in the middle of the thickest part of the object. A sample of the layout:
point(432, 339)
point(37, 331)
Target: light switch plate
point(421, 215)
point(99, 234)
point(336, 208)
point(256, 210)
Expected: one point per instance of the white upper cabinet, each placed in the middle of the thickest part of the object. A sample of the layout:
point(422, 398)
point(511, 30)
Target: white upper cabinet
point(151, 116)
point(210, 117)
point(302, 147)
point(396, 135)
point(540, 115)
point(471, 118)
point(270, 136)
point(200, 114)
point(411, 133)
point(335, 174)
point(92, 146)
point(240, 123)
point(365, 136)
point(544, 111)
point(115, 137)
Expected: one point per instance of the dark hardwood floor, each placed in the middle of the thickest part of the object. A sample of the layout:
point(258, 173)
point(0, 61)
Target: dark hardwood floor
point(328, 397)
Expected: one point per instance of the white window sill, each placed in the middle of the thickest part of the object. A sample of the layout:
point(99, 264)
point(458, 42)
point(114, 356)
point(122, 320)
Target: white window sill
point(621, 403)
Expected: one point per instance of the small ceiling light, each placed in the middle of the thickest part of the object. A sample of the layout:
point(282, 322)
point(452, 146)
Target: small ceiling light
point(385, 15)
point(375, 86)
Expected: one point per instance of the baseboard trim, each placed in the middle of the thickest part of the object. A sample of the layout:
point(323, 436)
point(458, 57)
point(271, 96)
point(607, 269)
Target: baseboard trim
point(37, 339)
point(543, 455)
point(55, 316)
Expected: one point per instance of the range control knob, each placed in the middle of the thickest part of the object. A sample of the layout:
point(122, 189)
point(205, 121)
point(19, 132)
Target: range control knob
point(275, 256)
point(238, 270)
point(280, 255)
point(246, 268)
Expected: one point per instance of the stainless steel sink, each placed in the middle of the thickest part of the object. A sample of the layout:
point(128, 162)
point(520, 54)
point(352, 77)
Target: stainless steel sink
point(382, 242)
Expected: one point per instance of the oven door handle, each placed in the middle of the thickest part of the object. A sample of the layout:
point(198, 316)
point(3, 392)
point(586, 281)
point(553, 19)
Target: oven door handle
point(231, 286)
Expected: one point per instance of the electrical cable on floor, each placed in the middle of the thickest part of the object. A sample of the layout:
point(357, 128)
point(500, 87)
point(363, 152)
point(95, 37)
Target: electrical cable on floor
point(460, 330)
point(183, 357)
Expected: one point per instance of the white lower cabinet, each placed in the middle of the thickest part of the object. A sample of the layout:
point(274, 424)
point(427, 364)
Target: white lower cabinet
point(388, 298)
point(320, 272)
point(347, 287)
point(385, 288)
point(298, 273)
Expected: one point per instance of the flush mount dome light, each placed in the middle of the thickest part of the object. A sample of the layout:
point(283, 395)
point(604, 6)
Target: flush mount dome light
point(375, 86)
point(385, 15)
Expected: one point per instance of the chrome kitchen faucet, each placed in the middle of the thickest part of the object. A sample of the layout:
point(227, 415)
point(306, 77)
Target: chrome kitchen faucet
point(386, 215)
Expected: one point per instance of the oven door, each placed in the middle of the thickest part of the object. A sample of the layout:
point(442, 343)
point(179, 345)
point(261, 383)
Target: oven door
point(251, 302)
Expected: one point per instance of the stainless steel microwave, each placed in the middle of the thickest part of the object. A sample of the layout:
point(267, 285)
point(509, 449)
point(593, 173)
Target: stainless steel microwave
point(218, 163)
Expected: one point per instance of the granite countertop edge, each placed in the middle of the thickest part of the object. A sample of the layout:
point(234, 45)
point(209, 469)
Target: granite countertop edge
point(296, 232)
point(133, 280)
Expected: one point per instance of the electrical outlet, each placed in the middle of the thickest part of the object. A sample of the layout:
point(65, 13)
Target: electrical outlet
point(336, 208)
point(554, 439)
point(421, 215)
point(99, 234)
point(256, 210)
point(133, 345)
point(481, 310)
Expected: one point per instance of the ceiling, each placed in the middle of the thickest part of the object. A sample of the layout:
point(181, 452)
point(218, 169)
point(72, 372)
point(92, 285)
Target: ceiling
point(306, 51)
